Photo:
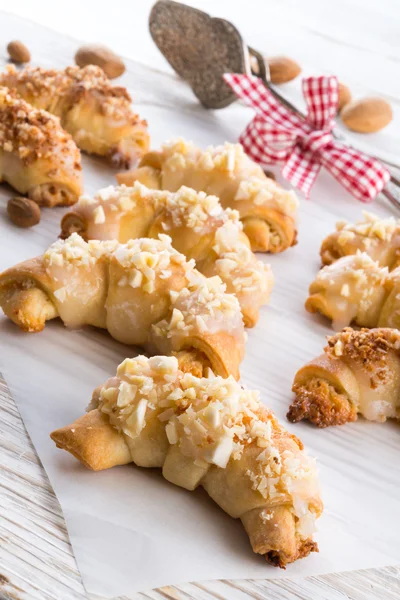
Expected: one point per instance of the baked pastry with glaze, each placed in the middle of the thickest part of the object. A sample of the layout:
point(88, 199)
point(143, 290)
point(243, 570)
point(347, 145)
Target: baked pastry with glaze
point(355, 289)
point(199, 229)
point(207, 432)
point(359, 373)
point(95, 112)
point(37, 157)
point(379, 238)
point(267, 211)
point(144, 293)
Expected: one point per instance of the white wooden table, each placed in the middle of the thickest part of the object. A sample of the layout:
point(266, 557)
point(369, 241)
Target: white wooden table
point(36, 560)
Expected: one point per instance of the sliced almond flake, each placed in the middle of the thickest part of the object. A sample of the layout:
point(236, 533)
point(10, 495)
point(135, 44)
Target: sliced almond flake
point(61, 294)
point(99, 216)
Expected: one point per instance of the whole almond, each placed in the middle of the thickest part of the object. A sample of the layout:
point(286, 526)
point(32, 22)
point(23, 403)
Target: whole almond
point(101, 56)
point(23, 212)
point(254, 64)
point(269, 174)
point(18, 52)
point(282, 69)
point(344, 96)
point(367, 115)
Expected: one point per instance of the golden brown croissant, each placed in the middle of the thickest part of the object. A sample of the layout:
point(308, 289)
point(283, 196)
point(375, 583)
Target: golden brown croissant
point(96, 113)
point(355, 289)
point(144, 293)
point(358, 374)
point(37, 157)
point(379, 238)
point(207, 432)
point(267, 211)
point(198, 226)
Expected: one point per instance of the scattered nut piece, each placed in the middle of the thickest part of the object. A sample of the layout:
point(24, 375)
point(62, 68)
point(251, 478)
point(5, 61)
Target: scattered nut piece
point(18, 52)
point(367, 115)
point(269, 174)
point(344, 96)
point(282, 69)
point(101, 56)
point(23, 212)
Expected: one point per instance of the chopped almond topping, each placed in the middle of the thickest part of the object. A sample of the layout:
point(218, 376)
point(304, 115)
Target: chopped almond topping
point(70, 85)
point(212, 421)
point(203, 214)
point(369, 349)
point(33, 133)
point(372, 227)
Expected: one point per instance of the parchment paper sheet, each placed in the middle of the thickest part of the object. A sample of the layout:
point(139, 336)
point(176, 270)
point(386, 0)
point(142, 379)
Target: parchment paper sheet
point(130, 530)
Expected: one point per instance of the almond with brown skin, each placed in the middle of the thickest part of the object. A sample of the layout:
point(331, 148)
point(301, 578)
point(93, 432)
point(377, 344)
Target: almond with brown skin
point(101, 56)
point(23, 212)
point(344, 96)
point(18, 52)
point(367, 115)
point(269, 174)
point(282, 69)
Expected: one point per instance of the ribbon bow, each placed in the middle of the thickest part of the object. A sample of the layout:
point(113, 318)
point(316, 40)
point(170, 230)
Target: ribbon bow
point(276, 134)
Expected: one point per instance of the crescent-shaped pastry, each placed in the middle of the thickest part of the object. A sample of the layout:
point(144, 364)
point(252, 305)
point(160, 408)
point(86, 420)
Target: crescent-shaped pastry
point(37, 157)
point(267, 211)
point(207, 432)
point(197, 225)
point(379, 238)
point(97, 114)
point(144, 293)
point(359, 373)
point(355, 289)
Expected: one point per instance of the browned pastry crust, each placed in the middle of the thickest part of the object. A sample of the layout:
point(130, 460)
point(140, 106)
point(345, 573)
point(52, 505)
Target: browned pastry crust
point(205, 432)
point(96, 113)
point(38, 157)
point(359, 373)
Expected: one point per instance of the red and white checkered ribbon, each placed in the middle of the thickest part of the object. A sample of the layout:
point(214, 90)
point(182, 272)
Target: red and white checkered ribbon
point(276, 134)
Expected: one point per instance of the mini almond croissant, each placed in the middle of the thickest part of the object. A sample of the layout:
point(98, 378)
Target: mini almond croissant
point(144, 293)
point(37, 157)
point(199, 229)
point(96, 113)
point(207, 432)
point(359, 373)
point(355, 289)
point(379, 238)
point(267, 211)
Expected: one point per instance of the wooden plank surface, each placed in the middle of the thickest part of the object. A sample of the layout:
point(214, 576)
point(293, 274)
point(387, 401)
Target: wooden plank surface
point(36, 560)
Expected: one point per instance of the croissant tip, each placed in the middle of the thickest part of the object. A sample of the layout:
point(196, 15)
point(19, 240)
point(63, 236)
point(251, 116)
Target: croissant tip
point(278, 559)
